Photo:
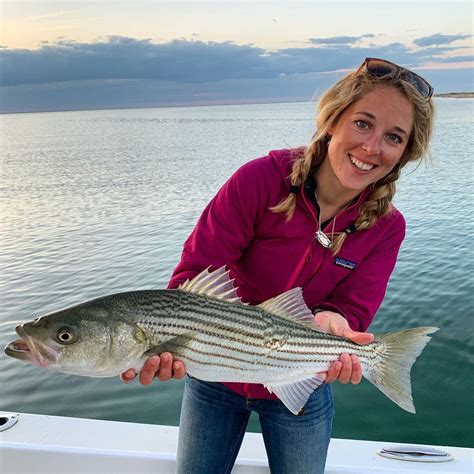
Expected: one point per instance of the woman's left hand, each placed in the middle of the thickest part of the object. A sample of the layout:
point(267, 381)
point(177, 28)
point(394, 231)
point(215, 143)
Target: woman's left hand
point(347, 368)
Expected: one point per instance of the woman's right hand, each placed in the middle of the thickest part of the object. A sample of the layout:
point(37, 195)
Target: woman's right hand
point(160, 366)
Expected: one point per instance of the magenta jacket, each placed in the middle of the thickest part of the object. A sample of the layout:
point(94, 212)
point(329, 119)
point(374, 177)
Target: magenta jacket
point(268, 256)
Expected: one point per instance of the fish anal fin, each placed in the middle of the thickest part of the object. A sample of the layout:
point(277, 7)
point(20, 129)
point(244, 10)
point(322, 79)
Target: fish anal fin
point(291, 305)
point(294, 395)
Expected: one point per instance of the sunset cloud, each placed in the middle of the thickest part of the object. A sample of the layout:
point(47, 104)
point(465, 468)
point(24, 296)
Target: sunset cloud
point(193, 61)
point(123, 71)
point(439, 38)
point(335, 40)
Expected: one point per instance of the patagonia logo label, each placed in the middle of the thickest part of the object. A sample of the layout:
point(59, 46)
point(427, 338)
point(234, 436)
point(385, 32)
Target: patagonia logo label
point(345, 263)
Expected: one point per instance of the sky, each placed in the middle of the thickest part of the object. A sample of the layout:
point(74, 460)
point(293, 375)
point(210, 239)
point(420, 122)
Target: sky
point(70, 55)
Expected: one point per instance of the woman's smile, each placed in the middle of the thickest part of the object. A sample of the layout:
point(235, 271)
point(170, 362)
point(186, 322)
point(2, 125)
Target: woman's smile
point(361, 165)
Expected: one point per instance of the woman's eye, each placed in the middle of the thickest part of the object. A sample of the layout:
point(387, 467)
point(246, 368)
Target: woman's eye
point(394, 138)
point(362, 124)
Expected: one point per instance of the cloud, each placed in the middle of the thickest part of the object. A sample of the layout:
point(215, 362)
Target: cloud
point(128, 58)
point(127, 72)
point(190, 61)
point(439, 38)
point(456, 59)
point(335, 40)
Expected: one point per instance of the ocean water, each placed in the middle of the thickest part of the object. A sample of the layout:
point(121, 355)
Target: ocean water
point(98, 202)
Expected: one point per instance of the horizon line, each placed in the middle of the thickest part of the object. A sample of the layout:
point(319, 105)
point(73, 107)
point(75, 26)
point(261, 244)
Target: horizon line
point(444, 95)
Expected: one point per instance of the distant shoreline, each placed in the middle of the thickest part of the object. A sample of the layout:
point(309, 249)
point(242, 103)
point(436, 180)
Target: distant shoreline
point(448, 95)
point(457, 95)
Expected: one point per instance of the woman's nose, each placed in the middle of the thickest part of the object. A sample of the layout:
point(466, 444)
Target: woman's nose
point(372, 144)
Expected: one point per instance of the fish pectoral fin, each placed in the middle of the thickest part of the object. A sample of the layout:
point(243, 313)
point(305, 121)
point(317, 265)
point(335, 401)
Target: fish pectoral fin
point(294, 395)
point(176, 345)
point(291, 305)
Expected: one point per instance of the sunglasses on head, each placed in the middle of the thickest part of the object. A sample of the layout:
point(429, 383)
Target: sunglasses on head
point(382, 68)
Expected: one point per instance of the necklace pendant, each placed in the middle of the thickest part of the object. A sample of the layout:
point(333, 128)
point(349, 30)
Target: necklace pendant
point(323, 239)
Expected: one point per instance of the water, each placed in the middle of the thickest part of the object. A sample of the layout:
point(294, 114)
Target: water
point(98, 202)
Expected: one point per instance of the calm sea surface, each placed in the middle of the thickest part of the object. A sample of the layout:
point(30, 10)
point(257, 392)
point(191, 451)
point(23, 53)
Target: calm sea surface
point(99, 202)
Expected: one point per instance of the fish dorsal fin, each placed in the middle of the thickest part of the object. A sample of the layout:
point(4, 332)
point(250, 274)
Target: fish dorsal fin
point(216, 284)
point(291, 305)
point(294, 395)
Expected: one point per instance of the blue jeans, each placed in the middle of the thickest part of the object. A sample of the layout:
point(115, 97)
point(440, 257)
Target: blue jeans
point(213, 422)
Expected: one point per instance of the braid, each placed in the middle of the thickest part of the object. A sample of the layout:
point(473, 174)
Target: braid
point(378, 204)
point(301, 168)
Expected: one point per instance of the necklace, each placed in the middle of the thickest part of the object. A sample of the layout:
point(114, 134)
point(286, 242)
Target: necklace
point(320, 236)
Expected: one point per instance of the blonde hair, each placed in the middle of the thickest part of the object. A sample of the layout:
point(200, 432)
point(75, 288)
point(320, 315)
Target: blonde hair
point(331, 106)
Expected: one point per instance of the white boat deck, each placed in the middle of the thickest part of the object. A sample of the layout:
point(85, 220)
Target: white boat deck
point(50, 444)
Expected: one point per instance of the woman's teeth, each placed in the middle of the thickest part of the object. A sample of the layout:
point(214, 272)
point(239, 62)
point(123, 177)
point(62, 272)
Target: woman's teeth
point(360, 165)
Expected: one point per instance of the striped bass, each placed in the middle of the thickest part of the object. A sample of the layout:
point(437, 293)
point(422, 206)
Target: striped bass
point(220, 339)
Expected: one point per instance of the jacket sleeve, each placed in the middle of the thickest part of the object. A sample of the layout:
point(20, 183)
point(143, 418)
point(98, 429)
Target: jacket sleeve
point(226, 226)
point(359, 296)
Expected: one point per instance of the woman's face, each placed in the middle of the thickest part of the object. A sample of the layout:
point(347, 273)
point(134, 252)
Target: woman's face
point(370, 137)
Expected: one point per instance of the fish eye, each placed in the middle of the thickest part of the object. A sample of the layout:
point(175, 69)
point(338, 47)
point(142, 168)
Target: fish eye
point(66, 336)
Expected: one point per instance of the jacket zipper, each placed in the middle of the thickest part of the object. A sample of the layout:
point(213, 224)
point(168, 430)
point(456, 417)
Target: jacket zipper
point(308, 253)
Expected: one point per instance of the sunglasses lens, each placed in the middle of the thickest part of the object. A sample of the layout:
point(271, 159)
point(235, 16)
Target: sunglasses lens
point(381, 68)
point(421, 85)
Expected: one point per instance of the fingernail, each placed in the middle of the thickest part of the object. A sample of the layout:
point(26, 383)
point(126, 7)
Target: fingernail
point(155, 359)
point(128, 376)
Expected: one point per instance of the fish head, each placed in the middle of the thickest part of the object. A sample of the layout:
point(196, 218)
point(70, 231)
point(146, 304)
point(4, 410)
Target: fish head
point(86, 339)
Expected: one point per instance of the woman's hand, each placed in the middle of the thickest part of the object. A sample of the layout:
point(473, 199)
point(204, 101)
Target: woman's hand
point(160, 366)
point(347, 368)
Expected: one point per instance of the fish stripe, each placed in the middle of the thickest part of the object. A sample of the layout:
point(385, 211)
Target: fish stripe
point(308, 335)
point(329, 350)
point(208, 318)
point(284, 355)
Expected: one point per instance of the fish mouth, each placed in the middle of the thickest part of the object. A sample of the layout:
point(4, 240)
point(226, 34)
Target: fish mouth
point(30, 350)
point(18, 349)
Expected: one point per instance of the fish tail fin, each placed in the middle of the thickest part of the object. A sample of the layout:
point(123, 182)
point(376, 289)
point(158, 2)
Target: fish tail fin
point(398, 352)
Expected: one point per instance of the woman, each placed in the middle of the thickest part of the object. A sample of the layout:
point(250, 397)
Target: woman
point(320, 218)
